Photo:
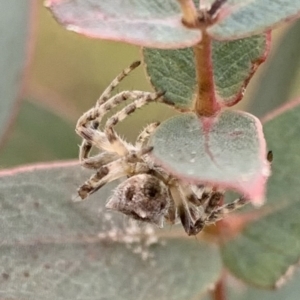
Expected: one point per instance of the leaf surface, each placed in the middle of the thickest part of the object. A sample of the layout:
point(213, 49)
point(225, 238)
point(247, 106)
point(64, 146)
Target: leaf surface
point(249, 17)
point(158, 23)
point(148, 23)
point(52, 248)
point(39, 135)
point(266, 248)
point(277, 82)
point(236, 290)
point(234, 62)
point(290, 291)
point(227, 151)
point(14, 21)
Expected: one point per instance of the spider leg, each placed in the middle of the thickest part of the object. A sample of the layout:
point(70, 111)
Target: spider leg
point(116, 142)
point(105, 174)
point(86, 146)
point(217, 214)
point(92, 137)
point(192, 211)
point(199, 194)
point(94, 116)
point(180, 194)
point(123, 166)
point(99, 160)
point(214, 201)
point(107, 92)
point(213, 211)
point(225, 209)
point(194, 224)
point(143, 137)
point(105, 103)
point(171, 215)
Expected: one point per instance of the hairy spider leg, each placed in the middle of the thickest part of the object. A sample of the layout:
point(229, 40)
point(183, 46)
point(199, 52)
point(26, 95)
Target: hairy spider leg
point(214, 201)
point(105, 174)
point(107, 92)
point(225, 209)
point(180, 194)
point(116, 142)
point(212, 204)
point(198, 195)
point(99, 160)
point(95, 115)
point(86, 146)
point(143, 137)
point(214, 212)
point(126, 165)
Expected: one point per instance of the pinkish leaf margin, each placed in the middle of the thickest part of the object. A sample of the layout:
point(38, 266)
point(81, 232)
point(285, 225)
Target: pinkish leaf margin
point(281, 110)
point(38, 166)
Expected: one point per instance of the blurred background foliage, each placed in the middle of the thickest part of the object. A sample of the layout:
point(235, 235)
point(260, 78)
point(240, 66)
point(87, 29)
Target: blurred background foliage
point(68, 72)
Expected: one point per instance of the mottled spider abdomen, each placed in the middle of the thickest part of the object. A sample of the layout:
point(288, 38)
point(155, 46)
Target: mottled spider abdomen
point(142, 197)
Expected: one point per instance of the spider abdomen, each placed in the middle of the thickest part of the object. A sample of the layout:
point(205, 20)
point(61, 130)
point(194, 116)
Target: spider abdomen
point(142, 197)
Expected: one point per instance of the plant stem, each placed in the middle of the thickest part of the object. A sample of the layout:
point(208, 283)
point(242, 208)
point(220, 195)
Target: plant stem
point(219, 292)
point(189, 13)
point(205, 102)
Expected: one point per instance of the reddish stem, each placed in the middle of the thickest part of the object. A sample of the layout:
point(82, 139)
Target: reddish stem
point(219, 292)
point(189, 13)
point(205, 102)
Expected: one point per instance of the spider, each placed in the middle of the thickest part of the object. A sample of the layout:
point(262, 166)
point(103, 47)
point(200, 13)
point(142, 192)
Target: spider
point(149, 194)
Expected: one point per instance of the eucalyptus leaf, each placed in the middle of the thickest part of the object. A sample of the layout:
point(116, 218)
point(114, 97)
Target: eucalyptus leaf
point(227, 150)
point(234, 62)
point(158, 23)
point(290, 291)
point(279, 77)
point(172, 71)
point(14, 24)
point(153, 23)
point(39, 135)
point(266, 248)
point(53, 248)
point(236, 290)
point(249, 17)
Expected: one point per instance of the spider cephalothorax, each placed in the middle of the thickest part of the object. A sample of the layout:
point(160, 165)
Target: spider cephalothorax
point(149, 193)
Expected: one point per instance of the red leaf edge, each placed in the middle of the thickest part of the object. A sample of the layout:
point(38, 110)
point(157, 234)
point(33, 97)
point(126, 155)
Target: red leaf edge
point(254, 66)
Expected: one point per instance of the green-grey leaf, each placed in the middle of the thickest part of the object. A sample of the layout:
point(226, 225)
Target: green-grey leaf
point(173, 71)
point(236, 290)
point(253, 17)
point(290, 291)
point(234, 64)
point(52, 248)
point(265, 249)
point(276, 83)
point(227, 150)
point(39, 135)
point(14, 19)
point(153, 23)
